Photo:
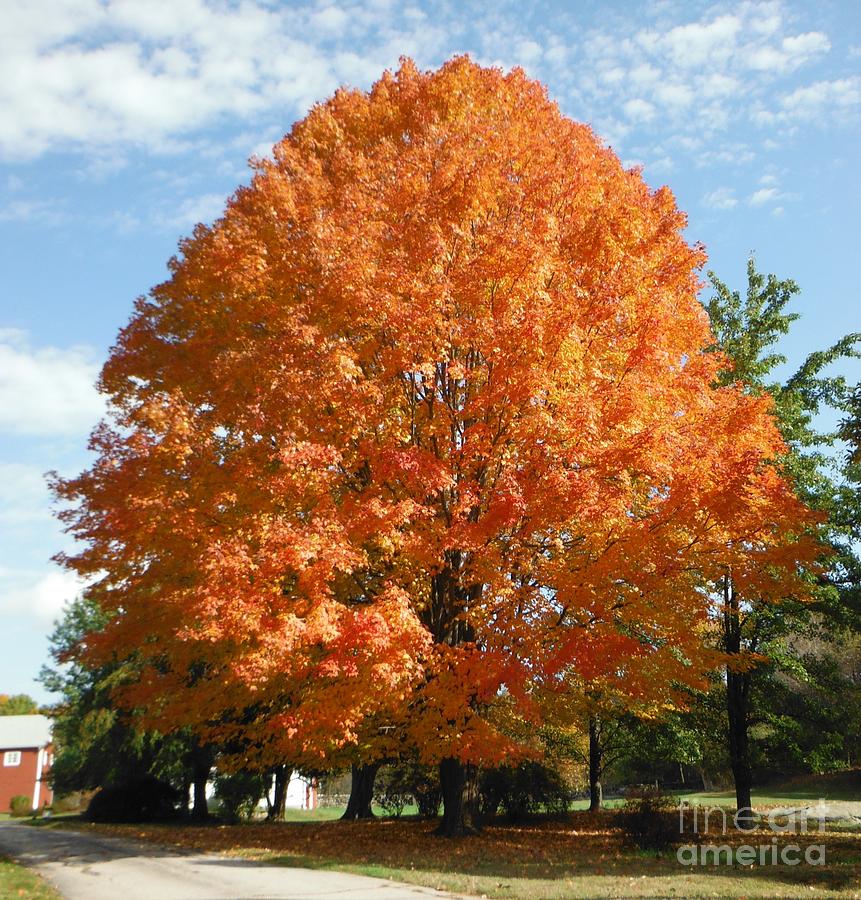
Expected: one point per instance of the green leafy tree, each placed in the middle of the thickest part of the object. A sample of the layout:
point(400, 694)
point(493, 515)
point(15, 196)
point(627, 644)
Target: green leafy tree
point(850, 427)
point(98, 744)
point(661, 750)
point(811, 719)
point(17, 705)
point(747, 329)
point(847, 515)
point(239, 793)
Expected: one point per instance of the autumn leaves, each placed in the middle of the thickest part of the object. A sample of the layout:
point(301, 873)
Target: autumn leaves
point(420, 434)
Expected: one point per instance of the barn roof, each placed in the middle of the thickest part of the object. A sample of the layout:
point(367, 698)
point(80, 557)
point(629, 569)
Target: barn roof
point(19, 732)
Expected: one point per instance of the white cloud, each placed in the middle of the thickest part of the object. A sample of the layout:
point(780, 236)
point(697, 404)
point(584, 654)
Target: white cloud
point(29, 212)
point(764, 58)
point(124, 223)
point(823, 97)
point(701, 44)
point(101, 166)
point(643, 74)
point(262, 150)
point(707, 75)
point(639, 110)
point(330, 18)
point(722, 198)
point(766, 20)
point(675, 95)
point(660, 166)
point(556, 54)
point(40, 595)
point(110, 75)
point(204, 209)
point(763, 195)
point(790, 54)
point(46, 391)
point(728, 153)
point(801, 47)
point(85, 73)
point(612, 131)
point(528, 52)
point(23, 495)
point(822, 101)
point(612, 75)
point(719, 84)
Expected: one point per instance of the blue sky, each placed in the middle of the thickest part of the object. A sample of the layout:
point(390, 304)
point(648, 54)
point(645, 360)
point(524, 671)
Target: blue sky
point(126, 122)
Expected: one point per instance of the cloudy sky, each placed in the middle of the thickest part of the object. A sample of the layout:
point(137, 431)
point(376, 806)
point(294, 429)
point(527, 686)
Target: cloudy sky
point(125, 122)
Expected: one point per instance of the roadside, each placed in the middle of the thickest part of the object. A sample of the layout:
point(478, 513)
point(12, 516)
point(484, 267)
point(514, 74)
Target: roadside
point(91, 866)
point(18, 881)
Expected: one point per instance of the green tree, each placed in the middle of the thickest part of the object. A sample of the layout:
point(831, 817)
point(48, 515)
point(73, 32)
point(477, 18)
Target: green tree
point(17, 705)
point(747, 329)
point(850, 427)
point(98, 744)
point(811, 716)
point(847, 515)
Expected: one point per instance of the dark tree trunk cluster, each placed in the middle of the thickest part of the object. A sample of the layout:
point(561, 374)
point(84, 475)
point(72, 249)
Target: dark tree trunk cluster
point(361, 792)
point(596, 796)
point(201, 765)
point(738, 706)
point(459, 784)
point(279, 794)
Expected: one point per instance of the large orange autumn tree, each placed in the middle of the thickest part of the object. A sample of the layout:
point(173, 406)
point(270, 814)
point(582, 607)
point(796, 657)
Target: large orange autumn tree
point(423, 423)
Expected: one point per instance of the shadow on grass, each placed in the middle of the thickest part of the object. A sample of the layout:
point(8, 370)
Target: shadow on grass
point(842, 786)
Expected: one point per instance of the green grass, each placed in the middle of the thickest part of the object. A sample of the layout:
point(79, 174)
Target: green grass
point(329, 813)
point(582, 804)
point(18, 881)
point(321, 814)
point(762, 797)
point(48, 821)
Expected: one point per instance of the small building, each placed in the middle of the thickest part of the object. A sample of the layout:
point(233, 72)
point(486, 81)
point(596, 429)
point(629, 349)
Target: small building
point(301, 792)
point(25, 748)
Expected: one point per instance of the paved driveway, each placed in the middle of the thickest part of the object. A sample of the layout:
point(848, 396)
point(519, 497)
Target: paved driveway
point(92, 867)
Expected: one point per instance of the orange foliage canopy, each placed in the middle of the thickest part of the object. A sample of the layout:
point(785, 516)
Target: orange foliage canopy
point(423, 420)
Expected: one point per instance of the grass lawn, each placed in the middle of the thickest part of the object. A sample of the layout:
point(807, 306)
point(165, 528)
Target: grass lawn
point(17, 881)
point(578, 856)
point(322, 814)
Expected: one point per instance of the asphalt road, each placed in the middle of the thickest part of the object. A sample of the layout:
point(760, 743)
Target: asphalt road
point(92, 867)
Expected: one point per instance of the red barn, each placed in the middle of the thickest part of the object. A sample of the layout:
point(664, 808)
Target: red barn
point(25, 748)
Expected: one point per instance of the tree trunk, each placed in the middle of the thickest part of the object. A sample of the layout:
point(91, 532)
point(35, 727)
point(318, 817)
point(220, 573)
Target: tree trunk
point(459, 783)
point(198, 761)
point(279, 794)
point(737, 695)
point(200, 775)
point(361, 792)
point(596, 794)
point(185, 791)
point(738, 708)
